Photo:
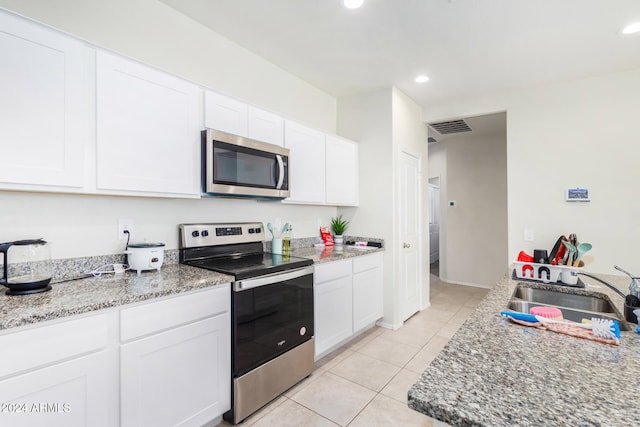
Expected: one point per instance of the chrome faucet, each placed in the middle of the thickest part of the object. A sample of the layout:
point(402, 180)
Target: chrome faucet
point(609, 285)
point(634, 287)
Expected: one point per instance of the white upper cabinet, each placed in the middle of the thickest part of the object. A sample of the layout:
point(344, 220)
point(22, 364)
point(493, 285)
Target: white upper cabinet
point(238, 118)
point(148, 130)
point(265, 126)
point(44, 105)
point(342, 171)
point(225, 114)
point(306, 163)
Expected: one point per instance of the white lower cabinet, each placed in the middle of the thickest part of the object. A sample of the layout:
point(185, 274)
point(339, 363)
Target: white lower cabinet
point(61, 374)
point(159, 363)
point(174, 378)
point(347, 300)
point(367, 291)
point(180, 375)
point(332, 305)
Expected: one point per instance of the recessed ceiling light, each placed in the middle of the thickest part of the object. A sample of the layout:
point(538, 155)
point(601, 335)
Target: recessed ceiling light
point(422, 79)
point(631, 29)
point(353, 4)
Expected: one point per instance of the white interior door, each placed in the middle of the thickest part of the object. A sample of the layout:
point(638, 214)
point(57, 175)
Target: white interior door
point(434, 223)
point(410, 278)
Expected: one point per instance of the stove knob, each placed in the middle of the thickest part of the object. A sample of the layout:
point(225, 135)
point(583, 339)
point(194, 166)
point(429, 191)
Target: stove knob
point(195, 233)
point(258, 230)
point(251, 231)
point(205, 233)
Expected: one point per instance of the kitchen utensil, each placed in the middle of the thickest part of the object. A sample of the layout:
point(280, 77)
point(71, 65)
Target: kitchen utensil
point(27, 266)
point(572, 250)
point(145, 256)
point(270, 228)
point(524, 257)
point(582, 249)
point(540, 256)
point(285, 227)
point(554, 252)
point(561, 252)
point(573, 239)
point(603, 330)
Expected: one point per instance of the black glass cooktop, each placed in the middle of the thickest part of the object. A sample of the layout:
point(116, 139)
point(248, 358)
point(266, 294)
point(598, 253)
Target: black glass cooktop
point(252, 265)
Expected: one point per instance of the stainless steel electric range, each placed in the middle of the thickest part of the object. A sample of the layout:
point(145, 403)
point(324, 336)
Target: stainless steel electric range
point(271, 310)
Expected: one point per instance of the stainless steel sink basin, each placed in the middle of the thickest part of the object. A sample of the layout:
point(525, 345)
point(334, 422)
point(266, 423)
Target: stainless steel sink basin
point(574, 307)
point(579, 302)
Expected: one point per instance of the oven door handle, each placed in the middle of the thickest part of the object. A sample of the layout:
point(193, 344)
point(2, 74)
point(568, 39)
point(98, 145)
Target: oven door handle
point(270, 279)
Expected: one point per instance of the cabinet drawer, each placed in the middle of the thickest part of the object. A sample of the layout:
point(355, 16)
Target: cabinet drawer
point(158, 316)
point(43, 345)
point(332, 270)
point(367, 262)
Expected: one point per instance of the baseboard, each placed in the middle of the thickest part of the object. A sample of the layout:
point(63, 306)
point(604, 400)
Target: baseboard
point(473, 285)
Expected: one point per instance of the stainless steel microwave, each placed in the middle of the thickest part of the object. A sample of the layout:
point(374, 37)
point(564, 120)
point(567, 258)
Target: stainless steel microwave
point(241, 167)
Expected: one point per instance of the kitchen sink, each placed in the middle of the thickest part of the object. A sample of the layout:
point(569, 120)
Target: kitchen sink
point(574, 307)
point(576, 301)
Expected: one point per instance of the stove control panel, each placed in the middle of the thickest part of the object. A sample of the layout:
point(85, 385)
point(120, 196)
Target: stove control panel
point(197, 235)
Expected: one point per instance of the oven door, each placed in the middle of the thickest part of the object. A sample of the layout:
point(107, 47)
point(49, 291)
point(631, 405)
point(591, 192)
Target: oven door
point(271, 315)
point(243, 167)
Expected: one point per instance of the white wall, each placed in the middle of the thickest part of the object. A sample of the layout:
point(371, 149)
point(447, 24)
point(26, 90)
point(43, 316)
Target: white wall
point(577, 133)
point(366, 118)
point(382, 121)
point(476, 229)
point(78, 226)
point(410, 134)
point(153, 33)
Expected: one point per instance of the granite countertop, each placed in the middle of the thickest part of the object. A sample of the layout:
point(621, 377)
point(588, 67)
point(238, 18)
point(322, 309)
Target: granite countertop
point(496, 373)
point(324, 254)
point(88, 294)
point(96, 293)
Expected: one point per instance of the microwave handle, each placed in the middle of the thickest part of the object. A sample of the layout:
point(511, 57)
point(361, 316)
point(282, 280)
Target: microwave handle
point(280, 171)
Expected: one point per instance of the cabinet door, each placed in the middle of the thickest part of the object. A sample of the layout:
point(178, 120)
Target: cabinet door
point(148, 129)
point(306, 164)
point(265, 126)
point(367, 298)
point(79, 392)
point(178, 377)
point(43, 104)
point(333, 314)
point(225, 114)
point(342, 171)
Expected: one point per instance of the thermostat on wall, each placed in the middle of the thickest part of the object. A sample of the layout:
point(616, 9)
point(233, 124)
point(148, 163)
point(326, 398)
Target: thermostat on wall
point(577, 195)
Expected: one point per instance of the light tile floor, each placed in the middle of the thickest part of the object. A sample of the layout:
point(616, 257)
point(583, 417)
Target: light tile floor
point(365, 382)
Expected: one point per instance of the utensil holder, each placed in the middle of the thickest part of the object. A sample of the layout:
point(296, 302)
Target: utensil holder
point(629, 315)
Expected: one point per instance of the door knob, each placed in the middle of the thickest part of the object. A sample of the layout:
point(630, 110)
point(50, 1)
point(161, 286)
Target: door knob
point(406, 245)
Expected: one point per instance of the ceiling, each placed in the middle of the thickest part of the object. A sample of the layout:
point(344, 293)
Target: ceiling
point(466, 47)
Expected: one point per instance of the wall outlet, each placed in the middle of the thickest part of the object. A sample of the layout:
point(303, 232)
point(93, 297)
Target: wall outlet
point(124, 225)
point(529, 235)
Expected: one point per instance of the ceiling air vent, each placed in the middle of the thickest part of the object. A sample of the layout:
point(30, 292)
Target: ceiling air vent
point(453, 126)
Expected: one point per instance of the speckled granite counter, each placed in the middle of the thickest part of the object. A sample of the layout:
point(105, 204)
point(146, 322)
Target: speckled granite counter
point(96, 293)
point(496, 373)
point(336, 253)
